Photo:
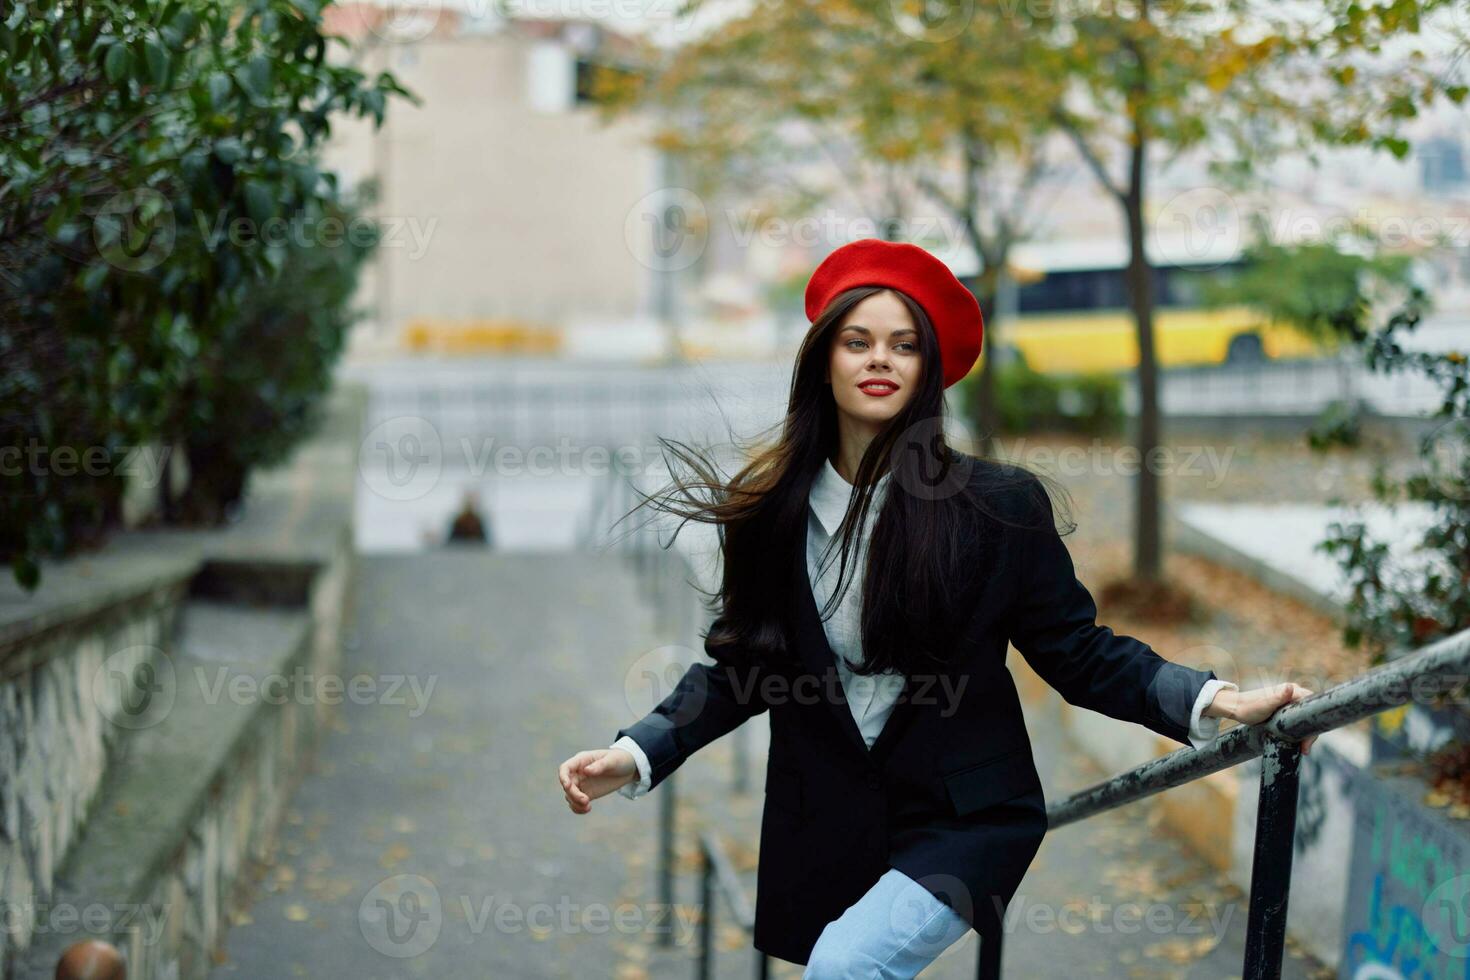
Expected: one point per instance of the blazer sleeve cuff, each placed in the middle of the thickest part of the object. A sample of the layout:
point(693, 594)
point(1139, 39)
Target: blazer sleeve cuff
point(1203, 730)
point(1173, 694)
point(642, 785)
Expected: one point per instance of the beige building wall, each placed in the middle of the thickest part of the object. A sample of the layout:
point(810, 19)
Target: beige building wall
point(492, 207)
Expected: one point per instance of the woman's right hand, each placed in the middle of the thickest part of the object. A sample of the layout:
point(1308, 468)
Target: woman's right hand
point(594, 773)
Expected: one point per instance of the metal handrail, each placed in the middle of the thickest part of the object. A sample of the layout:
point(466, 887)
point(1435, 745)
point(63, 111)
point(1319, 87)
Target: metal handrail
point(716, 870)
point(1386, 686)
point(1277, 740)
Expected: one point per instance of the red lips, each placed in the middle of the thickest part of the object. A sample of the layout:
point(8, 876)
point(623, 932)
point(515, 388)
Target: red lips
point(878, 386)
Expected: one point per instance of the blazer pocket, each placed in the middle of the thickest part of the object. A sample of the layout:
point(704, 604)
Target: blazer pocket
point(995, 780)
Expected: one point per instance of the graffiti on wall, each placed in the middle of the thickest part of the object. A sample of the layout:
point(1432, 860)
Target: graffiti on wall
point(1408, 910)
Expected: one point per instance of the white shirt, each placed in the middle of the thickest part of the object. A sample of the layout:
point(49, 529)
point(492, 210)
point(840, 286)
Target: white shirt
point(870, 698)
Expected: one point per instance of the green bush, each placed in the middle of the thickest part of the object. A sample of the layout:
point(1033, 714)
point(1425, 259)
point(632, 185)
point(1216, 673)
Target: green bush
point(151, 153)
point(261, 386)
point(1400, 604)
point(1029, 401)
point(1339, 424)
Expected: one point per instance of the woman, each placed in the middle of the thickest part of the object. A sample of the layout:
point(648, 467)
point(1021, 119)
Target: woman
point(902, 803)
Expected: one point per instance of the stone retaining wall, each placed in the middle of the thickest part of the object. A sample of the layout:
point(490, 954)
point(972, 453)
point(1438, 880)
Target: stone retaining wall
point(137, 824)
point(57, 699)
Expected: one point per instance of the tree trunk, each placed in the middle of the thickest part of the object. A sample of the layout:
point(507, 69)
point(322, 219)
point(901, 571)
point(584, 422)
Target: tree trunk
point(983, 416)
point(1147, 558)
point(216, 484)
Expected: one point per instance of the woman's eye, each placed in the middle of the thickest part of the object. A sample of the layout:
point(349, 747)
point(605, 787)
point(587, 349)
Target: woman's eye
point(905, 345)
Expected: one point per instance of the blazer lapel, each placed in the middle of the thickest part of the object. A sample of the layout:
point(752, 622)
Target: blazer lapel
point(817, 655)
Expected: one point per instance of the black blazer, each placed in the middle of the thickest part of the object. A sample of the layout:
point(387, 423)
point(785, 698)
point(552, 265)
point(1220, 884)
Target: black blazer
point(949, 793)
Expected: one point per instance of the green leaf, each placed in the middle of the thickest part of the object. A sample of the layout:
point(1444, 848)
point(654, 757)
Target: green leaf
point(229, 150)
point(260, 74)
point(259, 203)
point(118, 63)
point(186, 23)
point(219, 89)
point(63, 213)
point(92, 276)
point(158, 61)
point(246, 82)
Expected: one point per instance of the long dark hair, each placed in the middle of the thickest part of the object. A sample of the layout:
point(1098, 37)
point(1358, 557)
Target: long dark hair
point(931, 545)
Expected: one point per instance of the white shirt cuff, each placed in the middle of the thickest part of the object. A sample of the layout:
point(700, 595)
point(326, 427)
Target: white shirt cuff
point(1203, 730)
point(645, 769)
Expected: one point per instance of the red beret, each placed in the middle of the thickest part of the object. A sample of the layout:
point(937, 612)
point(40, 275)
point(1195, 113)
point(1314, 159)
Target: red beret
point(910, 269)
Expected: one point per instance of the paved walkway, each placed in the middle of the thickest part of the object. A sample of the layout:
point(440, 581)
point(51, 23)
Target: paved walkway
point(432, 839)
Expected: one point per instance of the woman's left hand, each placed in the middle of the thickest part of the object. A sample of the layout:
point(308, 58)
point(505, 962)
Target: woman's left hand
point(1254, 707)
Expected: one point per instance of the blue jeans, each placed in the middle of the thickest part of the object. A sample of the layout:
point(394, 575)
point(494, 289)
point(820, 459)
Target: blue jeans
point(895, 930)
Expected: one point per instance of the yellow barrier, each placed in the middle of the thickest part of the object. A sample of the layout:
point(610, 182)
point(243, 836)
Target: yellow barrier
point(434, 335)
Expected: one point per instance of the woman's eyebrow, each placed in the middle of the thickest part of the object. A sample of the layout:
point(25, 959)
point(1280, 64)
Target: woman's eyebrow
point(861, 329)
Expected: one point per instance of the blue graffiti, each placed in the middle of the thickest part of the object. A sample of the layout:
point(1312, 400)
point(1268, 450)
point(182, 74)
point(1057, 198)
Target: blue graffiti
point(1396, 938)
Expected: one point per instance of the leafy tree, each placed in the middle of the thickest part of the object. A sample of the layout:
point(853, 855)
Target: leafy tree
point(886, 106)
point(152, 156)
point(1246, 81)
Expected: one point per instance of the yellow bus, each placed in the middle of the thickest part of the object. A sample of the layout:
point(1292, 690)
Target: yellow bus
point(1070, 313)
